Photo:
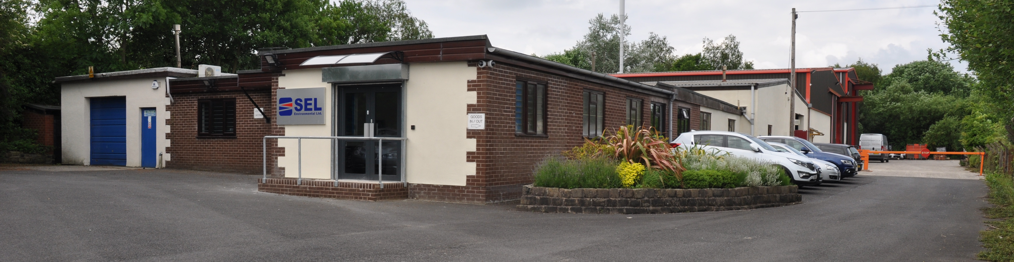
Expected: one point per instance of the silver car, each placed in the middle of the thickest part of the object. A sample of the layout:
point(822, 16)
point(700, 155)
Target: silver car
point(828, 171)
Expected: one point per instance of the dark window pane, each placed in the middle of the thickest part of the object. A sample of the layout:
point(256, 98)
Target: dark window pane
point(519, 106)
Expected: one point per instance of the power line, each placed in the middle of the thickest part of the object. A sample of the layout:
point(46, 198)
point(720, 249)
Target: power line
point(867, 9)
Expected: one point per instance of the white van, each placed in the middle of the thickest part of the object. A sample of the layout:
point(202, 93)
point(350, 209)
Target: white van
point(875, 142)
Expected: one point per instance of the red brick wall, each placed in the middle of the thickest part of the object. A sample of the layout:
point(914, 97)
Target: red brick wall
point(42, 124)
point(239, 154)
point(505, 161)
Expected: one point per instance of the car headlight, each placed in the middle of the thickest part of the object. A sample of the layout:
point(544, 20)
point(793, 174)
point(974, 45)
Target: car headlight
point(846, 162)
point(797, 162)
point(829, 166)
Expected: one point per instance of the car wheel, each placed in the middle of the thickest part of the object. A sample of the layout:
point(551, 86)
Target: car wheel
point(888, 161)
point(881, 160)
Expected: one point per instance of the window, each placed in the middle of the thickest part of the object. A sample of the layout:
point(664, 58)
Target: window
point(682, 120)
point(739, 143)
point(658, 117)
point(216, 117)
point(709, 140)
point(530, 108)
point(769, 130)
point(732, 125)
point(705, 121)
point(634, 112)
point(593, 114)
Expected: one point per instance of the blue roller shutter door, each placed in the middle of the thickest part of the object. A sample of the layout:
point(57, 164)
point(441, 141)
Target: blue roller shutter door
point(109, 131)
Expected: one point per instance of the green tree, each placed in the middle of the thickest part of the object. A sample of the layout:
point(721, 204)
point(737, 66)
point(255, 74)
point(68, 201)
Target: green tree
point(902, 113)
point(651, 55)
point(944, 133)
point(691, 62)
point(572, 57)
point(725, 54)
point(980, 33)
point(603, 41)
point(932, 77)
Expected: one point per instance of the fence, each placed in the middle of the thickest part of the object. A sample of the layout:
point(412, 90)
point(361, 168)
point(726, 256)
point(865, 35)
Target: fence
point(299, 155)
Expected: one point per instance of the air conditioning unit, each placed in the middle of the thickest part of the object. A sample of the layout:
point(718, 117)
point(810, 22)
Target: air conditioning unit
point(208, 70)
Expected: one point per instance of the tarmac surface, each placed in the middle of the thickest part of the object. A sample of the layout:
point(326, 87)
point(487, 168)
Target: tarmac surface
point(903, 210)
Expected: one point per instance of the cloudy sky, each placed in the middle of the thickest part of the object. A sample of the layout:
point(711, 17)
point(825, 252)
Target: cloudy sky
point(884, 37)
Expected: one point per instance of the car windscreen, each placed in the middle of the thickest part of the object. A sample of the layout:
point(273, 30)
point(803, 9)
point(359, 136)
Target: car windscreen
point(762, 143)
point(853, 150)
point(789, 148)
point(810, 145)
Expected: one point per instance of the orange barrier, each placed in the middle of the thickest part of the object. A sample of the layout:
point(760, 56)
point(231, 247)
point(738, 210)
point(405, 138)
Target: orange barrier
point(865, 154)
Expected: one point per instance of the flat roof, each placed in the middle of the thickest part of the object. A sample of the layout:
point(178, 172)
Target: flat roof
point(156, 72)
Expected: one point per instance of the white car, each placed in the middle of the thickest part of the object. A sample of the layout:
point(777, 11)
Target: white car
point(828, 171)
point(800, 169)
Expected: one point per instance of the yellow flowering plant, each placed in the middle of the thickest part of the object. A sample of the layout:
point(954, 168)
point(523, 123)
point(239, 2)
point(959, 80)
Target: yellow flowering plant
point(630, 173)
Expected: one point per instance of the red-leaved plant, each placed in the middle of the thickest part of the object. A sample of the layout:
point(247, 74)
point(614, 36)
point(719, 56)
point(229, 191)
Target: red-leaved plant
point(644, 146)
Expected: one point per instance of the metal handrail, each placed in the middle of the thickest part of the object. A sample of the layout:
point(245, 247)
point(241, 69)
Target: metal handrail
point(299, 155)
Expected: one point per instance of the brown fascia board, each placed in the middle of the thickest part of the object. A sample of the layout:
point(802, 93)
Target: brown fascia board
point(141, 73)
point(540, 64)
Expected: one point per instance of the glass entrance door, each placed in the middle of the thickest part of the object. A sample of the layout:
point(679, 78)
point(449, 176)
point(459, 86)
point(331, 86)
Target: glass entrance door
point(369, 111)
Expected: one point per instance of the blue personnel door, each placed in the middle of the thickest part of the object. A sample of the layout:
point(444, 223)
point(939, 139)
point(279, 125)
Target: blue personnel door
point(149, 124)
point(108, 131)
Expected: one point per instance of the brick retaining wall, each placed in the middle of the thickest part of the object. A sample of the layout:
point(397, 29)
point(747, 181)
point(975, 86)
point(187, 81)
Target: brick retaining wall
point(654, 201)
point(327, 188)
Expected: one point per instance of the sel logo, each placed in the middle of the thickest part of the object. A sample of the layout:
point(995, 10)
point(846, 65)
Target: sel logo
point(285, 106)
point(288, 106)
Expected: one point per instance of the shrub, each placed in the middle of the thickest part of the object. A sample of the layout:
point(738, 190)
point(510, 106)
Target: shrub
point(590, 149)
point(630, 173)
point(698, 178)
point(659, 178)
point(748, 172)
point(583, 173)
point(644, 146)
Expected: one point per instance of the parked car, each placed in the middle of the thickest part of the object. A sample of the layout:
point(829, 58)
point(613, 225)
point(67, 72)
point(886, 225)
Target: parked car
point(828, 171)
point(842, 149)
point(875, 142)
point(800, 169)
point(846, 165)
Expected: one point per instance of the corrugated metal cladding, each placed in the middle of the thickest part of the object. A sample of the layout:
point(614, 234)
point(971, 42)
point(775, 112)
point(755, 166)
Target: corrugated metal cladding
point(108, 131)
point(820, 94)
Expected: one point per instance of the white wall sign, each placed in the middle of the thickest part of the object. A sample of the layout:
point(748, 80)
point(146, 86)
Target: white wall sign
point(477, 121)
point(257, 114)
point(300, 106)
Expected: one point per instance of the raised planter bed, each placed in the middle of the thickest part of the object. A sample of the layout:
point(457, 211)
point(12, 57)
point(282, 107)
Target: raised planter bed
point(654, 201)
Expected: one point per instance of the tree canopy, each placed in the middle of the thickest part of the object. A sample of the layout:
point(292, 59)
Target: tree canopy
point(980, 33)
point(113, 35)
point(725, 54)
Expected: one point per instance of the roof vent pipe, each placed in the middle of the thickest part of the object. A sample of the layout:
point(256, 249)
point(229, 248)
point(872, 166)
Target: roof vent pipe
point(723, 73)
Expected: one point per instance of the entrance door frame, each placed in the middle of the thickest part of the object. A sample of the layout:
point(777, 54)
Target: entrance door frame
point(338, 119)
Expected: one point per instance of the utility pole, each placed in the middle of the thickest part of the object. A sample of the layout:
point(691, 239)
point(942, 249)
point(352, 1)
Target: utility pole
point(176, 31)
point(623, 21)
point(792, 78)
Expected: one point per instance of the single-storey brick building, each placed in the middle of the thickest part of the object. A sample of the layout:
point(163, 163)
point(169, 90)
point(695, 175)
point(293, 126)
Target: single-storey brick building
point(460, 119)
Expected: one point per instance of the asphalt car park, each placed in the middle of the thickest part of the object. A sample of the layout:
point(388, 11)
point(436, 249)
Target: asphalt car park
point(903, 210)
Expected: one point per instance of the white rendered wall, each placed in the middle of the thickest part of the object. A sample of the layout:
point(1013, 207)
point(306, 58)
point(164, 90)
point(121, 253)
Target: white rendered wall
point(437, 99)
point(316, 153)
point(821, 122)
point(772, 108)
point(720, 120)
point(75, 126)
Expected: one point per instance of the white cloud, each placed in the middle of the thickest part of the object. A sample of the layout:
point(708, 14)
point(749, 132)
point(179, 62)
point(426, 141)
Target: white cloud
point(884, 37)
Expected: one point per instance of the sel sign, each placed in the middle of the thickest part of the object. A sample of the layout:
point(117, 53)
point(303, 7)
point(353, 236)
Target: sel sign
point(477, 121)
point(301, 106)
